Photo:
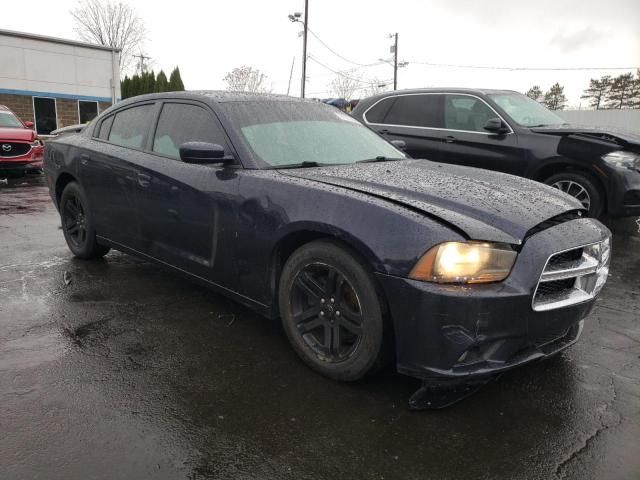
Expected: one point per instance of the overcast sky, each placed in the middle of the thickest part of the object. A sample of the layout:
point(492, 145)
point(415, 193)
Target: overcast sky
point(209, 38)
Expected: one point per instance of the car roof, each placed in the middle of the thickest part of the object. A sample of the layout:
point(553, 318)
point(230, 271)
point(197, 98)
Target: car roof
point(473, 91)
point(218, 96)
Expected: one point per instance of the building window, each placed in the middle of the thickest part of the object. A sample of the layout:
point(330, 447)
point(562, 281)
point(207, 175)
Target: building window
point(44, 111)
point(87, 111)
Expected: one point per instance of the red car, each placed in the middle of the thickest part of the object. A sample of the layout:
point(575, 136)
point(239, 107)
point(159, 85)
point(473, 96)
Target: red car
point(20, 149)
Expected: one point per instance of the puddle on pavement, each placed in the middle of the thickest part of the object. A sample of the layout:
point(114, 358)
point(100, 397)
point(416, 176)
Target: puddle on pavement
point(24, 195)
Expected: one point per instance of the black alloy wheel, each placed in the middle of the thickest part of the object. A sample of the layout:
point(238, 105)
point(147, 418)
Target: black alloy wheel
point(331, 311)
point(74, 221)
point(326, 312)
point(77, 224)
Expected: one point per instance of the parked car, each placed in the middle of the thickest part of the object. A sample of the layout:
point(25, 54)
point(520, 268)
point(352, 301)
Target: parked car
point(20, 149)
point(508, 132)
point(298, 211)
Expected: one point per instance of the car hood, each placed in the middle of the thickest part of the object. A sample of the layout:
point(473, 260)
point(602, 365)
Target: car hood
point(21, 134)
point(614, 135)
point(484, 205)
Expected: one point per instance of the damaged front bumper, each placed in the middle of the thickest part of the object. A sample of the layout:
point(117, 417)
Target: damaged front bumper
point(461, 334)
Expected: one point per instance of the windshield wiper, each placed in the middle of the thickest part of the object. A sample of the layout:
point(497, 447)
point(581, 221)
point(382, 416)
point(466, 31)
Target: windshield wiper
point(379, 158)
point(305, 164)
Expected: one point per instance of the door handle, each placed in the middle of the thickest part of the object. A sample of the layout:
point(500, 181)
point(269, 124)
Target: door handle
point(84, 158)
point(449, 139)
point(143, 180)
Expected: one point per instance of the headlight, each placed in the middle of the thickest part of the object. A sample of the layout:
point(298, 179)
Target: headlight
point(36, 143)
point(457, 262)
point(623, 159)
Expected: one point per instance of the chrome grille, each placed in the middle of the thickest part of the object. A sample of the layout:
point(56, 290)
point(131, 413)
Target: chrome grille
point(573, 276)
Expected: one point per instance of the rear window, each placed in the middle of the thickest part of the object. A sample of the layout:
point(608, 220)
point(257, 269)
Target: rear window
point(417, 111)
point(378, 112)
point(130, 126)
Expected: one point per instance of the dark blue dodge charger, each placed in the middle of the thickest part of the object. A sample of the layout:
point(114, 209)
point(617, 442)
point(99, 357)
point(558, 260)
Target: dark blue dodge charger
point(300, 212)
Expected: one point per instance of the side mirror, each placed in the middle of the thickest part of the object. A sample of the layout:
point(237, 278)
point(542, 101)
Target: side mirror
point(203, 152)
point(495, 125)
point(399, 144)
point(29, 124)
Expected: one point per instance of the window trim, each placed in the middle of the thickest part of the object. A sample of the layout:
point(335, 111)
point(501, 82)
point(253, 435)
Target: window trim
point(364, 114)
point(88, 101)
point(154, 114)
point(195, 103)
point(35, 119)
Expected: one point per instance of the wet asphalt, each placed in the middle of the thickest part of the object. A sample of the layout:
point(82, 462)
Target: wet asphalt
point(116, 369)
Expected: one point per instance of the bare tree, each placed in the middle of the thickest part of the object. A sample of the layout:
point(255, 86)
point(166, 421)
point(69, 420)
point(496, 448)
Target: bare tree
point(112, 24)
point(344, 86)
point(246, 79)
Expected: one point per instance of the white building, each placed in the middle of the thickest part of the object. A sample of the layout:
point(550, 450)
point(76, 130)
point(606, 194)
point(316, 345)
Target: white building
point(55, 82)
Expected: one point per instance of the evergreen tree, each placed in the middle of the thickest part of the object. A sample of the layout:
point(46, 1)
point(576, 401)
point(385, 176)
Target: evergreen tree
point(175, 82)
point(534, 93)
point(555, 98)
point(125, 86)
point(621, 91)
point(162, 84)
point(597, 91)
point(150, 82)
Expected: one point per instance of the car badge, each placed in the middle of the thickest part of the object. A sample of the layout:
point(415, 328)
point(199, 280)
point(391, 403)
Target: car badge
point(6, 147)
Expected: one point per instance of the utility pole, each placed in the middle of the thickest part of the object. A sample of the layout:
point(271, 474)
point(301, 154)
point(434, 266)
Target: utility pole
point(142, 67)
point(395, 62)
point(304, 48)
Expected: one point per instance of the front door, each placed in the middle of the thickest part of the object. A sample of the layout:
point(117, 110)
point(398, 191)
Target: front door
point(466, 142)
point(186, 209)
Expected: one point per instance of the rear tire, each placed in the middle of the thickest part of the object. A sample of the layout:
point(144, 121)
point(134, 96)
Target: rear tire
point(581, 186)
point(77, 224)
point(331, 312)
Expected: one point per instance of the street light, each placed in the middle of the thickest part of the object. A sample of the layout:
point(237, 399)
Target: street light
point(295, 17)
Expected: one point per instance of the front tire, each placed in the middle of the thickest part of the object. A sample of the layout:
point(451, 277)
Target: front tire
point(77, 224)
point(582, 187)
point(331, 312)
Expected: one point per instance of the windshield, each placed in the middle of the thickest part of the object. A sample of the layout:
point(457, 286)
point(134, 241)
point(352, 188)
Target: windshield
point(287, 134)
point(8, 119)
point(526, 111)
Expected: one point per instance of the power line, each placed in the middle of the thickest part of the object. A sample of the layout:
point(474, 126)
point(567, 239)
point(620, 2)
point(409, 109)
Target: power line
point(490, 67)
point(342, 74)
point(341, 56)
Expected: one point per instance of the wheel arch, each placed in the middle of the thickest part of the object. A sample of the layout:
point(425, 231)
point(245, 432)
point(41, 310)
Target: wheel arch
point(62, 181)
point(297, 238)
point(303, 234)
point(560, 165)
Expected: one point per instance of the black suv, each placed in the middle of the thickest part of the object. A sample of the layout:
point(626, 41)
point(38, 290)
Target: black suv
point(506, 131)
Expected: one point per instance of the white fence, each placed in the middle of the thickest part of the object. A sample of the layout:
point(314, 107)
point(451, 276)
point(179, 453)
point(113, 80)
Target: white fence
point(628, 120)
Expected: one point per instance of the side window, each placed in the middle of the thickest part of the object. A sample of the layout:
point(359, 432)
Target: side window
point(180, 123)
point(130, 126)
point(105, 127)
point(463, 112)
point(378, 112)
point(417, 111)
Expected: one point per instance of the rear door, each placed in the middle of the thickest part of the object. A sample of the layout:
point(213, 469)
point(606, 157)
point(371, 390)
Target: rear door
point(186, 209)
point(466, 142)
point(108, 172)
point(417, 119)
